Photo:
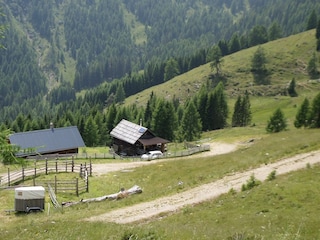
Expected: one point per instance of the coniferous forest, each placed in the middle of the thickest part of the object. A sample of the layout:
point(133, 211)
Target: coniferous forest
point(74, 62)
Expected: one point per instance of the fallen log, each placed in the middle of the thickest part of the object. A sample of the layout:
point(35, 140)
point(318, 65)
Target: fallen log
point(115, 196)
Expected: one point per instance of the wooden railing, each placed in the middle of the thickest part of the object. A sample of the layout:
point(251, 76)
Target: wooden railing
point(44, 167)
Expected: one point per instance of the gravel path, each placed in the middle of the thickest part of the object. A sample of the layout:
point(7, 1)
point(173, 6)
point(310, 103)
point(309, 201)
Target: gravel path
point(170, 204)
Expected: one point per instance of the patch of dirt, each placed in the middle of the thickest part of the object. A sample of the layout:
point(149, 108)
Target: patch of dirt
point(168, 205)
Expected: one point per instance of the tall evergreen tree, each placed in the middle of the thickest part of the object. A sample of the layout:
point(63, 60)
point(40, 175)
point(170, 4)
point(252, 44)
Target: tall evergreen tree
point(202, 107)
point(242, 112)
point(217, 108)
point(171, 69)
point(292, 88)
point(302, 117)
point(215, 57)
point(275, 31)
point(120, 95)
point(190, 126)
point(312, 67)
point(312, 20)
point(318, 30)
point(258, 35)
point(164, 120)
point(315, 112)
point(234, 44)
point(258, 66)
point(91, 132)
point(236, 117)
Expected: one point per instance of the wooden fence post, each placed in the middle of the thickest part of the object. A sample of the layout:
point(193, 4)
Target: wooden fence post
point(72, 164)
point(35, 169)
point(55, 184)
point(66, 165)
point(77, 187)
point(90, 168)
point(87, 182)
point(8, 177)
point(22, 171)
point(80, 172)
point(56, 165)
point(46, 166)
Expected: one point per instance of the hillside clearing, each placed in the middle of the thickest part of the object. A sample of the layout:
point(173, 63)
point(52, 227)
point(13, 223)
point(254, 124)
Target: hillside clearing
point(166, 205)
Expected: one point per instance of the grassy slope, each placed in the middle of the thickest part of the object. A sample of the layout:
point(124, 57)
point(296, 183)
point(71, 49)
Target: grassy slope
point(286, 207)
point(287, 59)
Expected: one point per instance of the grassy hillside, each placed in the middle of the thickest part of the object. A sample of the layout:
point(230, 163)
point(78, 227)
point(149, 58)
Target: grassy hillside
point(287, 59)
point(285, 207)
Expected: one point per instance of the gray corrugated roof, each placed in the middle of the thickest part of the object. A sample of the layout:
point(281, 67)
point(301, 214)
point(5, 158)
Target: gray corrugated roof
point(128, 131)
point(48, 140)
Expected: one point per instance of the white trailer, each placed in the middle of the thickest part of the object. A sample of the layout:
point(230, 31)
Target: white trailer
point(29, 199)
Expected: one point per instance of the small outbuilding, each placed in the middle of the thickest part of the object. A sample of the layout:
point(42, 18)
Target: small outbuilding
point(65, 140)
point(134, 139)
point(29, 199)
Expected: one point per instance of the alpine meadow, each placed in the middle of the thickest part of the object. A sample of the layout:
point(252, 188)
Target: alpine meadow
point(240, 78)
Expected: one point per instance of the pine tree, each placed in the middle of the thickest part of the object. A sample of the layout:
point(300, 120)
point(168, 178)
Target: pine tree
point(275, 31)
point(7, 151)
point(171, 69)
point(215, 57)
point(292, 88)
point(312, 20)
point(120, 95)
point(190, 126)
point(277, 122)
point(236, 117)
point(164, 120)
point(217, 108)
point(312, 67)
point(242, 112)
point(315, 112)
point(202, 107)
point(318, 30)
point(91, 132)
point(302, 115)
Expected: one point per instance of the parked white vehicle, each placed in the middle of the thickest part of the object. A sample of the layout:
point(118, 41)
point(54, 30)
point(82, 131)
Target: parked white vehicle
point(152, 155)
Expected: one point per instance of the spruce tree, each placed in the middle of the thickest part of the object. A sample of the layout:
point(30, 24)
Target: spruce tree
point(292, 88)
point(312, 67)
point(302, 115)
point(164, 120)
point(236, 117)
point(242, 112)
point(190, 127)
point(277, 122)
point(312, 20)
point(315, 112)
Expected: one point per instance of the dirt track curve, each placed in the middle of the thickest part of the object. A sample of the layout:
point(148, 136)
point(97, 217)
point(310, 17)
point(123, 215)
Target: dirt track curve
point(149, 210)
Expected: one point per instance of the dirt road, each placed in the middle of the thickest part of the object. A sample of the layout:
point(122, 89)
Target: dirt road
point(149, 210)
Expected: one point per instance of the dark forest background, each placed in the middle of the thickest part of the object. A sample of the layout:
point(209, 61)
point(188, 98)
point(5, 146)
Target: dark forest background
point(72, 62)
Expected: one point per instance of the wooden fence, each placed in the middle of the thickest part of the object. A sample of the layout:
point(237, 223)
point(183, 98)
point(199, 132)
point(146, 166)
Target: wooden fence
point(52, 166)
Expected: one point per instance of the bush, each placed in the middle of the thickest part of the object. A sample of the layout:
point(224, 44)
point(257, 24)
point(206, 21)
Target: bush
point(272, 176)
point(251, 183)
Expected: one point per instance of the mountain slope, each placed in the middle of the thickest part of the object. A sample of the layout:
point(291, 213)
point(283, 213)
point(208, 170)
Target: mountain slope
point(287, 59)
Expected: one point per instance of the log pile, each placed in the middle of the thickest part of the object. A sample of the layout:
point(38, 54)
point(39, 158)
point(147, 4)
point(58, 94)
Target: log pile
point(115, 196)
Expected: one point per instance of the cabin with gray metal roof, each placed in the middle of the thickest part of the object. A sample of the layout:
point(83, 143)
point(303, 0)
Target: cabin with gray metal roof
point(134, 139)
point(65, 140)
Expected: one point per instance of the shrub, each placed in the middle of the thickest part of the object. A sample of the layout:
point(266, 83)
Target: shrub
point(251, 183)
point(272, 176)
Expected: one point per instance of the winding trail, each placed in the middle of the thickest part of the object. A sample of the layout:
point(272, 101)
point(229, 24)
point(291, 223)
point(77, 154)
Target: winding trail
point(150, 210)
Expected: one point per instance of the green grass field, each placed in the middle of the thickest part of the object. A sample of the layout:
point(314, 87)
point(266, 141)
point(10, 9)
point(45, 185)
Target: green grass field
point(285, 208)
